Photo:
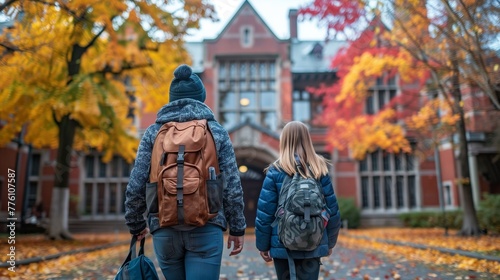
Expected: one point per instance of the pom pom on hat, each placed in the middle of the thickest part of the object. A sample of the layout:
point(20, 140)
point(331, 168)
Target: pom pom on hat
point(183, 72)
point(186, 84)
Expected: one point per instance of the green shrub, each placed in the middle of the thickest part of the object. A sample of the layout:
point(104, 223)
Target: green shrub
point(429, 219)
point(488, 213)
point(349, 211)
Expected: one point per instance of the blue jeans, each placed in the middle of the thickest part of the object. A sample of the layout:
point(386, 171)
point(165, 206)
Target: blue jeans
point(191, 255)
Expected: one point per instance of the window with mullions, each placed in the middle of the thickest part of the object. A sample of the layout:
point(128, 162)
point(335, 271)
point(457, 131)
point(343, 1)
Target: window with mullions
point(33, 191)
point(380, 94)
point(247, 91)
point(104, 186)
point(305, 106)
point(388, 181)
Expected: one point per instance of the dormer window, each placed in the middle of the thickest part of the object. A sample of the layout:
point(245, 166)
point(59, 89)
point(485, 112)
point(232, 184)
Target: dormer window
point(246, 33)
point(317, 51)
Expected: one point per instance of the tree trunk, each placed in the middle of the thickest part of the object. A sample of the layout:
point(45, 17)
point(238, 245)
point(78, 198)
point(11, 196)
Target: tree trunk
point(59, 209)
point(58, 228)
point(470, 224)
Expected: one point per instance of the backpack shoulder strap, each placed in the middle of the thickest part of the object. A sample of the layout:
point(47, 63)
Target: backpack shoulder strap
point(211, 153)
point(285, 187)
point(156, 155)
point(299, 165)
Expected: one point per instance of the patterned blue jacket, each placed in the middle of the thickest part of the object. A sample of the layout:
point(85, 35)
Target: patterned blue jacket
point(267, 236)
point(180, 111)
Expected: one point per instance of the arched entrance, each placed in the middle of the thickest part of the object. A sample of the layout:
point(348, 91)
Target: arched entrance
point(251, 162)
point(251, 182)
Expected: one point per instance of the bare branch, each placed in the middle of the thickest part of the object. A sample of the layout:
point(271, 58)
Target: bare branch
point(10, 49)
point(145, 48)
point(108, 69)
point(95, 38)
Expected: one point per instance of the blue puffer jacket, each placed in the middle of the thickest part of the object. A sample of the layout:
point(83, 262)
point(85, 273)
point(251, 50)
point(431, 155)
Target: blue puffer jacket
point(267, 236)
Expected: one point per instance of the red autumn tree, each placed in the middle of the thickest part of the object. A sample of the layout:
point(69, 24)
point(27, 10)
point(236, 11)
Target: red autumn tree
point(445, 44)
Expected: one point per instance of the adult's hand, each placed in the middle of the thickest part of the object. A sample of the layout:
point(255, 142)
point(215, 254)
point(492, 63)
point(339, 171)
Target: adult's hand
point(237, 243)
point(142, 234)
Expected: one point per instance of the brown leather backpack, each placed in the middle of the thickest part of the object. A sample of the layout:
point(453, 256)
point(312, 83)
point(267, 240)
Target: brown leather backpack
point(182, 154)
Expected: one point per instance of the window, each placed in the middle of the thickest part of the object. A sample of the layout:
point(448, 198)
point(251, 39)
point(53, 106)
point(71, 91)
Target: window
point(363, 164)
point(248, 93)
point(35, 165)
point(246, 36)
point(400, 191)
point(374, 157)
point(305, 106)
point(89, 166)
point(33, 191)
point(388, 191)
point(104, 195)
point(447, 194)
point(370, 109)
point(376, 192)
point(388, 181)
point(412, 192)
point(301, 106)
point(364, 192)
point(381, 94)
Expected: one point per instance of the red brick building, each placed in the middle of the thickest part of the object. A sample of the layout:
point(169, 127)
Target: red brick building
point(255, 84)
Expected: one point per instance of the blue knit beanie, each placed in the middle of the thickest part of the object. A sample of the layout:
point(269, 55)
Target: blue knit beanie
point(186, 84)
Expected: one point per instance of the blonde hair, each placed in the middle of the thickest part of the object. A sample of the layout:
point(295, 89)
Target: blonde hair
point(296, 140)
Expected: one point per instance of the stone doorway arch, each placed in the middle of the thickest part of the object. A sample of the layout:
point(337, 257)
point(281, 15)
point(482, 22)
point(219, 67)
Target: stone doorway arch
point(255, 160)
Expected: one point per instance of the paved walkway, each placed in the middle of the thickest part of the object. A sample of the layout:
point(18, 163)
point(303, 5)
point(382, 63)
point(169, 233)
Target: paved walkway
point(343, 264)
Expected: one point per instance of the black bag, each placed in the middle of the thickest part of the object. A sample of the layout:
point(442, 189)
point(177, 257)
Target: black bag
point(137, 267)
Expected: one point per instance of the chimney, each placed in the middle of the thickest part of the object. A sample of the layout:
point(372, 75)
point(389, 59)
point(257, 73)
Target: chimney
point(292, 17)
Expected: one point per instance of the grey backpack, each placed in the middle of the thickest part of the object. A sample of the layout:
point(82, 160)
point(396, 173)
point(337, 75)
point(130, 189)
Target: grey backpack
point(301, 215)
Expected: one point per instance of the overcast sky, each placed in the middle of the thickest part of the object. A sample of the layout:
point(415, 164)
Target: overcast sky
point(273, 12)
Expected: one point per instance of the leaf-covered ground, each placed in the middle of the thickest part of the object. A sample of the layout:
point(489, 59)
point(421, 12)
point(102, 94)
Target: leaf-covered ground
point(32, 246)
point(353, 258)
point(487, 245)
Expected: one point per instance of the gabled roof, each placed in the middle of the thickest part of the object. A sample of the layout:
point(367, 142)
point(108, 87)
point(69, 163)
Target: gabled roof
point(301, 55)
point(236, 14)
point(255, 126)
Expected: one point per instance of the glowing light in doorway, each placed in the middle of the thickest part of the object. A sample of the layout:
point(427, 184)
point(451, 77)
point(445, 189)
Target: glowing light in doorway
point(243, 168)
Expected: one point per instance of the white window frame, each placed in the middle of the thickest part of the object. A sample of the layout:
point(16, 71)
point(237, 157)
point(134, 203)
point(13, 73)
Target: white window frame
point(392, 173)
point(120, 183)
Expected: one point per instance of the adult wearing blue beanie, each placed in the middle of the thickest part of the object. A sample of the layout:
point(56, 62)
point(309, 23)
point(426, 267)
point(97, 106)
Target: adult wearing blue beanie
point(186, 252)
point(186, 84)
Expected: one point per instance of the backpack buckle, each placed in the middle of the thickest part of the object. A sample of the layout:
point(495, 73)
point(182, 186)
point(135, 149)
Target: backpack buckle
point(180, 155)
point(180, 158)
point(180, 202)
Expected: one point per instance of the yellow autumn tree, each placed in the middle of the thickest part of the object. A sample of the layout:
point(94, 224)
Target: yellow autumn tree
point(71, 70)
point(456, 43)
